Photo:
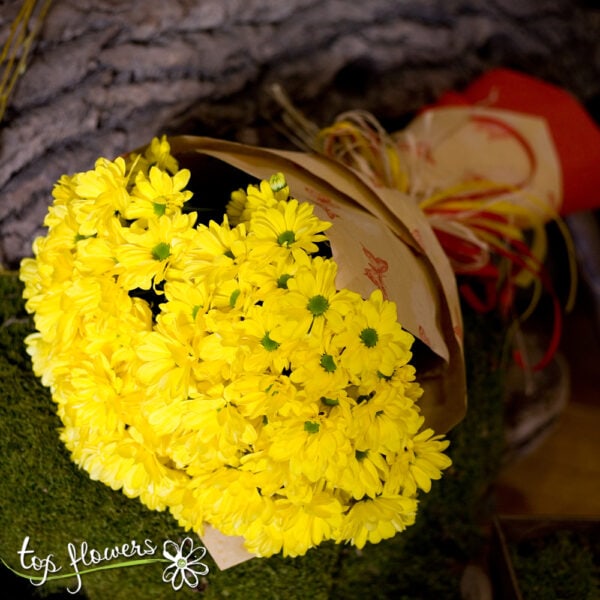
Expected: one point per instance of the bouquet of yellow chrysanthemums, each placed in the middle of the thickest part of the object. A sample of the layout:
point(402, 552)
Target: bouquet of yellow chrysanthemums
point(216, 369)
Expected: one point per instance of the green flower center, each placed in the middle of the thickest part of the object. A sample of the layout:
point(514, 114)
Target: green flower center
point(328, 363)
point(317, 305)
point(268, 344)
point(161, 251)
point(283, 280)
point(159, 208)
point(182, 563)
point(286, 238)
point(311, 426)
point(361, 454)
point(369, 337)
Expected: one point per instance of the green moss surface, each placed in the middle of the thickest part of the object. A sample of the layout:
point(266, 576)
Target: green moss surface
point(43, 495)
point(559, 564)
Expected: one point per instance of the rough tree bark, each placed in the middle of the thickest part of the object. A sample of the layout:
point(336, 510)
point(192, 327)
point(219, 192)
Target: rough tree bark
point(108, 75)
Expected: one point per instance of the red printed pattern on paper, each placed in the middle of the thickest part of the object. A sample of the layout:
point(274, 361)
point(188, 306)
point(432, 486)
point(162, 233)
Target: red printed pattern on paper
point(324, 202)
point(376, 270)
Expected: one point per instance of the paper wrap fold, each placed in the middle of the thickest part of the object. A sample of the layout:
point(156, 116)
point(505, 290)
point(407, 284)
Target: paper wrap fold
point(450, 145)
point(573, 134)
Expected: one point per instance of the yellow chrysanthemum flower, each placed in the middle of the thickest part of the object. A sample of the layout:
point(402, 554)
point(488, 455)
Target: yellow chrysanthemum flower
point(158, 153)
point(287, 228)
point(157, 194)
point(100, 194)
point(364, 475)
point(232, 496)
point(426, 460)
point(261, 396)
point(318, 367)
point(217, 370)
point(215, 251)
point(148, 252)
point(379, 518)
point(308, 524)
point(314, 446)
point(314, 300)
point(187, 298)
point(374, 339)
point(244, 203)
point(268, 341)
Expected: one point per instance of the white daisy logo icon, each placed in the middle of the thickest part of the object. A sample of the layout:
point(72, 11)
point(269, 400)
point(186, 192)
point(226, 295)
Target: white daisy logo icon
point(185, 563)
